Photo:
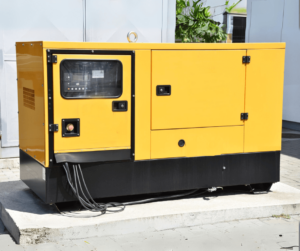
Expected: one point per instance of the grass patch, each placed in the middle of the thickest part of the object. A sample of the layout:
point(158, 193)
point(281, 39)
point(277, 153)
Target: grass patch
point(239, 10)
point(284, 216)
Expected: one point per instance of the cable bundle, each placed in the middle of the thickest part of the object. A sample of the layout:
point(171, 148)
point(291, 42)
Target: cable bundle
point(88, 204)
point(91, 205)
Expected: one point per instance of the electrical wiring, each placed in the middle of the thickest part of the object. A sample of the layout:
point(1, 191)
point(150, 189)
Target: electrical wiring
point(79, 188)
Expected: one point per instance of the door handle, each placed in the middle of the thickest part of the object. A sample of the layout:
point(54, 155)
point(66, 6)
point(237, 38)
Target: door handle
point(163, 90)
point(119, 106)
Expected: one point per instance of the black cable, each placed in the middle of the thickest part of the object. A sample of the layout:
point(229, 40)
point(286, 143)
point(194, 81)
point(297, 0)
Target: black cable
point(85, 202)
point(161, 198)
point(79, 185)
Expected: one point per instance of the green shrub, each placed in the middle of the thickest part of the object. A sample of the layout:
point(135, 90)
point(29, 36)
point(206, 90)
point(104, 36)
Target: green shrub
point(196, 26)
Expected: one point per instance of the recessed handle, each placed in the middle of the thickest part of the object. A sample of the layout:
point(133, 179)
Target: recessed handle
point(119, 106)
point(163, 90)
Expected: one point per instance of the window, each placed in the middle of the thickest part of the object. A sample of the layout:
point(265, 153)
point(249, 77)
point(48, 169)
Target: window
point(91, 78)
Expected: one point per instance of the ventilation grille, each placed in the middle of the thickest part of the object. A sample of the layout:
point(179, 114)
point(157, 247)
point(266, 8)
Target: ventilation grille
point(28, 98)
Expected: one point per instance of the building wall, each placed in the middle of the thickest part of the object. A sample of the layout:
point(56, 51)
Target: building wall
point(70, 20)
point(279, 21)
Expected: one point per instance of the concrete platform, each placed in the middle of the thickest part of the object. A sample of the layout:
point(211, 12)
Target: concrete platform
point(30, 221)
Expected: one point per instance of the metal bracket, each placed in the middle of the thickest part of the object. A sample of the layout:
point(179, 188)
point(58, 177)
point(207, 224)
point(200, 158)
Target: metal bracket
point(246, 59)
point(53, 127)
point(244, 116)
point(52, 59)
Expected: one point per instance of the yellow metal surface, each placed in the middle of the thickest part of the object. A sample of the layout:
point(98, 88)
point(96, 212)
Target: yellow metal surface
point(142, 105)
point(161, 46)
point(210, 88)
point(264, 93)
point(31, 99)
point(100, 127)
point(46, 108)
point(207, 88)
point(198, 142)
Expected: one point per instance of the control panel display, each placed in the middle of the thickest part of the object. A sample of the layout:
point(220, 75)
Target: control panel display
point(91, 78)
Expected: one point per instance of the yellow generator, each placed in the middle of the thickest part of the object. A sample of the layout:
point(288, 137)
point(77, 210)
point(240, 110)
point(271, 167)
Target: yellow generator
point(143, 118)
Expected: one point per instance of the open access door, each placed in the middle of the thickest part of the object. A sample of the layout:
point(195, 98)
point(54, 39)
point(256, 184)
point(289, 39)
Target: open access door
point(92, 103)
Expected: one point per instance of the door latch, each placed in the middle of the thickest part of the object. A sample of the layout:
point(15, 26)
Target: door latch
point(119, 106)
point(163, 90)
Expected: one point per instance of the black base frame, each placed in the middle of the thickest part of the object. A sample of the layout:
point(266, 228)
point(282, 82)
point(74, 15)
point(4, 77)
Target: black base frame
point(124, 178)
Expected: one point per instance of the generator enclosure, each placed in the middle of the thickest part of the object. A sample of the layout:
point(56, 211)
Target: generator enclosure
point(148, 118)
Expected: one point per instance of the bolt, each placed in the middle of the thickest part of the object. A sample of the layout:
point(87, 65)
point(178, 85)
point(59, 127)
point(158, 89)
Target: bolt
point(49, 97)
point(224, 167)
point(132, 95)
point(40, 44)
point(92, 51)
point(48, 50)
point(77, 134)
point(31, 44)
point(133, 154)
point(50, 160)
point(22, 44)
point(63, 135)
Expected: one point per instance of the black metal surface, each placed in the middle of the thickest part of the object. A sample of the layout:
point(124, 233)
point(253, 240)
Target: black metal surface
point(53, 128)
point(124, 178)
point(244, 116)
point(163, 90)
point(50, 107)
point(119, 106)
point(246, 59)
point(181, 143)
point(32, 173)
point(50, 91)
point(239, 30)
point(95, 156)
point(75, 123)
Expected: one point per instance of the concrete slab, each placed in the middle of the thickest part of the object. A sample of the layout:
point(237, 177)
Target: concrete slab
point(30, 221)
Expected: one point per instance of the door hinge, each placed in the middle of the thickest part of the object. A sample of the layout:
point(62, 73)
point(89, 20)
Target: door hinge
point(246, 59)
point(53, 127)
point(244, 116)
point(52, 59)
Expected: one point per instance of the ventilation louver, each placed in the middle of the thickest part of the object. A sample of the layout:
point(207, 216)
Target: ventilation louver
point(28, 98)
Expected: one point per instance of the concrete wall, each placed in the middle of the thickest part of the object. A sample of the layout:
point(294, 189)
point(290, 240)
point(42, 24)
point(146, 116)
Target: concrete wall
point(279, 21)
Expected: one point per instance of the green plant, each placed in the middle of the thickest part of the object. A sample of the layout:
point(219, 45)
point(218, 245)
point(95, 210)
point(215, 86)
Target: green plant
point(229, 9)
point(196, 26)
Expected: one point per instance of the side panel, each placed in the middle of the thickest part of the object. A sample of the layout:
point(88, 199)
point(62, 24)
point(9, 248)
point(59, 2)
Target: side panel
point(198, 142)
point(31, 100)
point(207, 88)
point(33, 175)
point(264, 94)
point(142, 104)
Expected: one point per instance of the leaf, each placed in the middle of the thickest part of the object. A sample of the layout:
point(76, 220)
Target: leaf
point(196, 26)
